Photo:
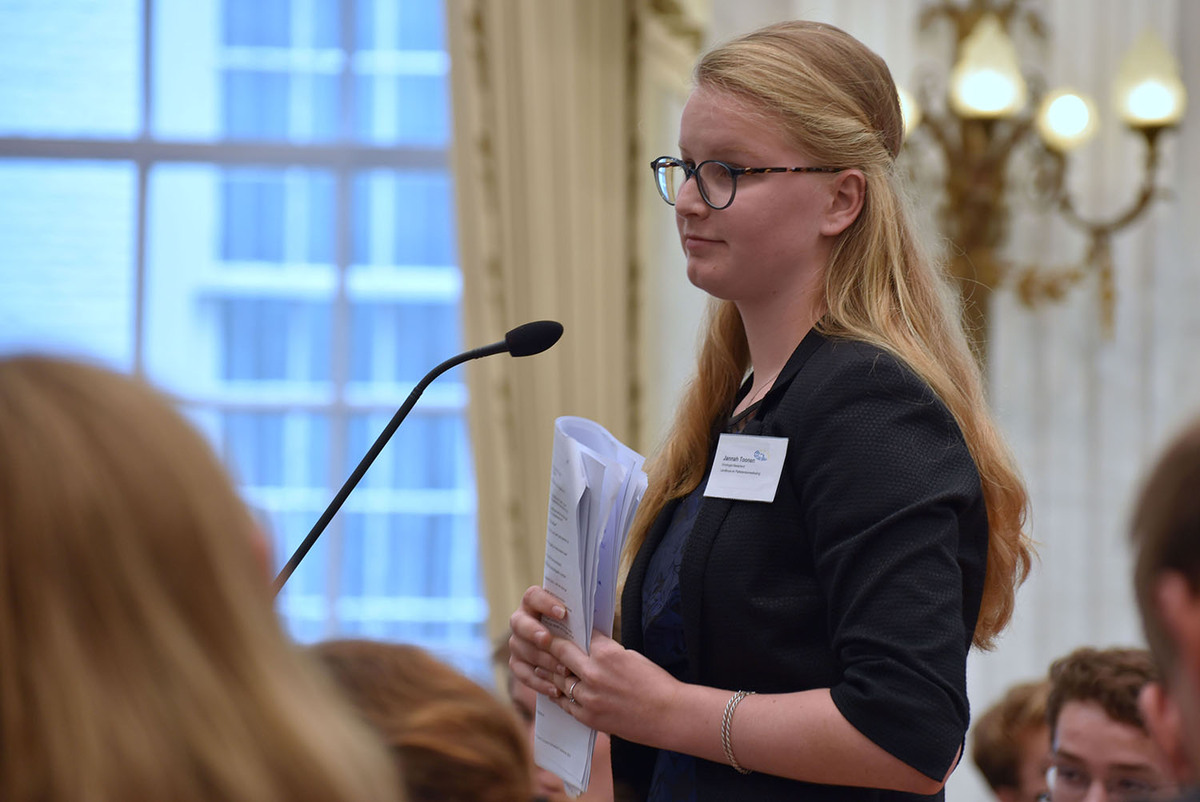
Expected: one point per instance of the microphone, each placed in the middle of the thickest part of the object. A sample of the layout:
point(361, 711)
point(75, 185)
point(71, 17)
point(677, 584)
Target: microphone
point(525, 340)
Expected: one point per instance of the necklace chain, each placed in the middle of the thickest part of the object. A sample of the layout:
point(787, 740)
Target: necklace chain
point(763, 390)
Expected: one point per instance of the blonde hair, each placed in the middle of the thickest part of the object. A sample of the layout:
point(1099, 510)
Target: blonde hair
point(141, 655)
point(838, 102)
point(453, 741)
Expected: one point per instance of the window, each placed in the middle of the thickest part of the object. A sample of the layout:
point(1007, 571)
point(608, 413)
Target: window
point(251, 204)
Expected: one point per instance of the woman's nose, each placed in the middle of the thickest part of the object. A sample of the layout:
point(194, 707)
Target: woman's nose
point(688, 200)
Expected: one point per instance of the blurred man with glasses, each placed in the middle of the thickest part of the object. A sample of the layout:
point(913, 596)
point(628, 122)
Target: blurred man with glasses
point(1102, 751)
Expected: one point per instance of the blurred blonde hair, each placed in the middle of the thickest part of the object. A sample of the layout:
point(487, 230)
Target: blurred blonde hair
point(141, 656)
point(452, 739)
point(836, 100)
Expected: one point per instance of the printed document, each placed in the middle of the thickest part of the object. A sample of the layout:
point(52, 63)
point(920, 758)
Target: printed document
point(596, 484)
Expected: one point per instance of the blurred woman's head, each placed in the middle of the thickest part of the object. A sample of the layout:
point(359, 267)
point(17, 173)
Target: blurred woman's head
point(142, 658)
point(453, 741)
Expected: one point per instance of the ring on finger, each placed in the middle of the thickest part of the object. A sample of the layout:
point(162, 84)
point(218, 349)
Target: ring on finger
point(571, 691)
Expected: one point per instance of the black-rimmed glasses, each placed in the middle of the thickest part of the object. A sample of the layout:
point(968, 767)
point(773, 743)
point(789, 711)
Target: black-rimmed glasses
point(717, 181)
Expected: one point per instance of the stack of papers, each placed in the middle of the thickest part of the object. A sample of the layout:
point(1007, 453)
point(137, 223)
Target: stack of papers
point(596, 484)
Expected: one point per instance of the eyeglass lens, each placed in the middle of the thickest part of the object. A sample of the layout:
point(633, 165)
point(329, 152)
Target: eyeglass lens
point(715, 181)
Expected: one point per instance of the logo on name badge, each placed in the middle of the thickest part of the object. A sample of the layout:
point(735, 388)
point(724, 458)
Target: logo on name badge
point(746, 467)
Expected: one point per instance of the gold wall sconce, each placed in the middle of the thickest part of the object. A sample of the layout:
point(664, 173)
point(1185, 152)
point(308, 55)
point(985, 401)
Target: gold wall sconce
point(990, 112)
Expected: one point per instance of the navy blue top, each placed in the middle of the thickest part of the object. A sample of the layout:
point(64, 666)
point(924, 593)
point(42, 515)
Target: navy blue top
point(674, 777)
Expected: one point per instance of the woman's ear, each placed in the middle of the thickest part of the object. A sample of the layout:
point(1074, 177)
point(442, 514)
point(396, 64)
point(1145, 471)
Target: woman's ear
point(1160, 714)
point(1179, 612)
point(848, 193)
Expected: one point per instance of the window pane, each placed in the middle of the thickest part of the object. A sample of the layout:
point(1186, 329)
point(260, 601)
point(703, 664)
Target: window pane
point(255, 104)
point(429, 451)
point(272, 340)
point(398, 343)
point(410, 559)
point(71, 68)
point(403, 287)
point(289, 341)
point(409, 25)
point(401, 68)
point(67, 280)
point(277, 215)
point(252, 215)
point(257, 446)
point(422, 25)
point(263, 23)
point(406, 218)
point(268, 104)
point(327, 23)
point(228, 69)
point(239, 288)
point(187, 78)
point(403, 109)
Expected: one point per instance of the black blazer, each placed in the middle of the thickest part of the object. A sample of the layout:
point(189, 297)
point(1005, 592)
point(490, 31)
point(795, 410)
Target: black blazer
point(864, 575)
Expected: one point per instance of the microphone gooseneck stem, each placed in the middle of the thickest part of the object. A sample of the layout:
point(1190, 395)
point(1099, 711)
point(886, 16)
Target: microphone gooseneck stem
point(373, 452)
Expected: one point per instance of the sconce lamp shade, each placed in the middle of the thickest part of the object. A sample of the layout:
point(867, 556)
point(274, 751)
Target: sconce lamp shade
point(1066, 119)
point(986, 82)
point(1148, 90)
point(910, 110)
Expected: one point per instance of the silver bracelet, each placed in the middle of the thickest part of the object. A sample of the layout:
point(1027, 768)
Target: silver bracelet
point(726, 727)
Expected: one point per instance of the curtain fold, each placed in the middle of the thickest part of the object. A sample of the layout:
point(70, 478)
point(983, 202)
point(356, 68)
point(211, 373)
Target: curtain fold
point(545, 106)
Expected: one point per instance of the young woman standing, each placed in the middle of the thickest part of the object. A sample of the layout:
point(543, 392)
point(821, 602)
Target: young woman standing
point(811, 643)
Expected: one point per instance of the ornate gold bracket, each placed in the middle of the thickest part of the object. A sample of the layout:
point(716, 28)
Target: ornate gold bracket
point(977, 150)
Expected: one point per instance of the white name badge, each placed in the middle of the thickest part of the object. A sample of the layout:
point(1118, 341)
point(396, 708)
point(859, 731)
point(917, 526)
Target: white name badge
point(747, 468)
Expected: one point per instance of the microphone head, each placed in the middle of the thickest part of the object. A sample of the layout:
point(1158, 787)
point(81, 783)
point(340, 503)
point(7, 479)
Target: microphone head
point(533, 338)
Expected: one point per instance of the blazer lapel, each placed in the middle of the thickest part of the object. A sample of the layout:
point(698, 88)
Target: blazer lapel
point(807, 347)
point(709, 518)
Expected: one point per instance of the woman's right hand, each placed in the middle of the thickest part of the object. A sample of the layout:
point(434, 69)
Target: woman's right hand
point(529, 659)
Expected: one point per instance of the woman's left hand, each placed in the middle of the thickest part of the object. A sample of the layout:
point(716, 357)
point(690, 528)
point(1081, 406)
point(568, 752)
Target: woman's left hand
point(614, 690)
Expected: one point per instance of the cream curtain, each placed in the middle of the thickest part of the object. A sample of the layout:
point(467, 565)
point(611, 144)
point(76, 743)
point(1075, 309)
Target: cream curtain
point(545, 101)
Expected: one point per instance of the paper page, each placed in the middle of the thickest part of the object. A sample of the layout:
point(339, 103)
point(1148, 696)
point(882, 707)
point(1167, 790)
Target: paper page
point(565, 548)
point(630, 484)
point(596, 483)
point(561, 744)
point(599, 475)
